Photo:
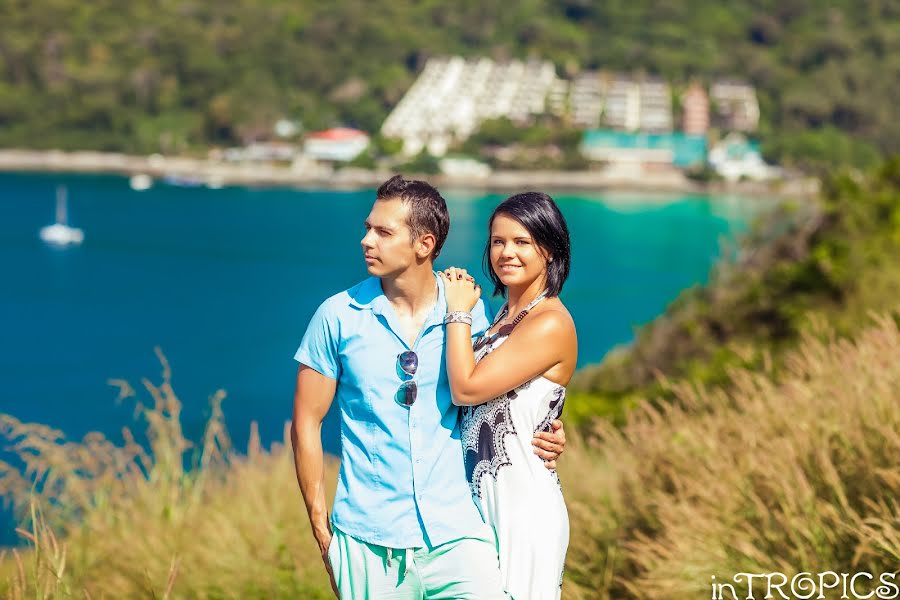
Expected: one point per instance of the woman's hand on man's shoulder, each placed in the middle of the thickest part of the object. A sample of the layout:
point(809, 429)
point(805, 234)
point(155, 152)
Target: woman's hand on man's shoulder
point(461, 291)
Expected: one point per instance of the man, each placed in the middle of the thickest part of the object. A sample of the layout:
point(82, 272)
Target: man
point(404, 524)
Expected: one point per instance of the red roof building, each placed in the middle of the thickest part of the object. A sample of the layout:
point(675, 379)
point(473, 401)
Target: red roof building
point(341, 144)
point(338, 134)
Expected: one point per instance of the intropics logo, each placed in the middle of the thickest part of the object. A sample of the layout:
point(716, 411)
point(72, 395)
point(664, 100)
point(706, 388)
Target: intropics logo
point(805, 586)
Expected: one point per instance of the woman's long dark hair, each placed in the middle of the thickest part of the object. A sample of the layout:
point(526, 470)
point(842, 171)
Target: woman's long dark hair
point(538, 214)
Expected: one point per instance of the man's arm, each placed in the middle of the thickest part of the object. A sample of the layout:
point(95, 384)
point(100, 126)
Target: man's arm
point(312, 399)
point(550, 445)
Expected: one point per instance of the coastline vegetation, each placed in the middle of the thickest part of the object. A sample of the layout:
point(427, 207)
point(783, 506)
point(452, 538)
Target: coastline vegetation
point(179, 77)
point(773, 473)
point(171, 520)
point(835, 259)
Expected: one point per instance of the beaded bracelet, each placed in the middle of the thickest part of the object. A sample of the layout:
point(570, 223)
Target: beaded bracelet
point(458, 316)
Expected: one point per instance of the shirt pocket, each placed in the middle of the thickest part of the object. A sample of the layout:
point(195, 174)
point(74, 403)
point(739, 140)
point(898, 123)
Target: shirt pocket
point(358, 392)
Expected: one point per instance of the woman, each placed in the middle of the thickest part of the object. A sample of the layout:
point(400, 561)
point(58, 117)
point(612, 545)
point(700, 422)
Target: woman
point(512, 384)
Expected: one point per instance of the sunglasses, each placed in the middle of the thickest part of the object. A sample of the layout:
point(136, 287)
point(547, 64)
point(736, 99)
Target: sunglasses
point(407, 362)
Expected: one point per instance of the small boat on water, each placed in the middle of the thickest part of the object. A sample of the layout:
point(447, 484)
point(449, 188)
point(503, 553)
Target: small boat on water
point(60, 234)
point(215, 182)
point(182, 180)
point(140, 182)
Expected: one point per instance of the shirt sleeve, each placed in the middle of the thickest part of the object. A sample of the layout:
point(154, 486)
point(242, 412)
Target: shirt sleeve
point(481, 318)
point(319, 347)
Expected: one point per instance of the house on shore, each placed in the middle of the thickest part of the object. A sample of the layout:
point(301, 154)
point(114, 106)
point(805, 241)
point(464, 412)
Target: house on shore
point(735, 104)
point(735, 158)
point(695, 110)
point(340, 144)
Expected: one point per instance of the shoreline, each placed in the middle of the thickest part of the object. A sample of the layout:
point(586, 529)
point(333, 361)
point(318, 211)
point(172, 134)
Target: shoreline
point(315, 176)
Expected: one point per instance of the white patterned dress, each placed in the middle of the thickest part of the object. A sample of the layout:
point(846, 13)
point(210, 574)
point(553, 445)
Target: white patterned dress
point(517, 495)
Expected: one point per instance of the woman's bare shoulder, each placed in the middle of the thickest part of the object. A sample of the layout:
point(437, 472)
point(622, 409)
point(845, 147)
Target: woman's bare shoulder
point(553, 317)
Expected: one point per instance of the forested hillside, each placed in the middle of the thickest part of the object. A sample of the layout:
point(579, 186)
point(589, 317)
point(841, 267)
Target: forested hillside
point(176, 75)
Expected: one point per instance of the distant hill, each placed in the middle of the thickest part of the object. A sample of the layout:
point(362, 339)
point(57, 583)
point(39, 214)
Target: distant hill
point(175, 75)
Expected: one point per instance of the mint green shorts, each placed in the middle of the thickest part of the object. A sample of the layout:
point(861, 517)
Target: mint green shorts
point(466, 568)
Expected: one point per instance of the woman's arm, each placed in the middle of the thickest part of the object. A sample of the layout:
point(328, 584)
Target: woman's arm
point(538, 344)
point(461, 367)
point(535, 347)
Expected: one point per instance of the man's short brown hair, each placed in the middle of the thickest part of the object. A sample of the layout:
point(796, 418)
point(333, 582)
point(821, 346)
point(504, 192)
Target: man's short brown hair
point(427, 208)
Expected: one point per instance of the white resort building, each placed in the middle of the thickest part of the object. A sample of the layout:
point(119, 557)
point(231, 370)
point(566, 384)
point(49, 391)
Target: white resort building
point(636, 104)
point(586, 100)
point(622, 104)
point(736, 107)
point(452, 96)
point(656, 106)
point(626, 117)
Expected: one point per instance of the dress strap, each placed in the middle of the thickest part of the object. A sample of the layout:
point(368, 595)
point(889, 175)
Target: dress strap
point(531, 305)
point(504, 331)
point(500, 314)
point(534, 302)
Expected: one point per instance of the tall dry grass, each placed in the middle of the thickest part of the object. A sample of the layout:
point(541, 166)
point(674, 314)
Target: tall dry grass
point(801, 474)
point(790, 475)
point(176, 521)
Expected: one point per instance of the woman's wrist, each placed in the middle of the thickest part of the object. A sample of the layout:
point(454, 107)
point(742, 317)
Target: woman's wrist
point(458, 316)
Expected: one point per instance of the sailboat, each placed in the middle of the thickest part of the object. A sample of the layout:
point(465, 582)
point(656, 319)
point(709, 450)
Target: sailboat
point(60, 233)
point(140, 182)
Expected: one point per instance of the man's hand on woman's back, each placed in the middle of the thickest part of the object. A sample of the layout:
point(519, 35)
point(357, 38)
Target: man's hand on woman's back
point(550, 445)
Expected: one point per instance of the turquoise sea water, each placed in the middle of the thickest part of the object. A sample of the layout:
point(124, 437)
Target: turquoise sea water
point(224, 282)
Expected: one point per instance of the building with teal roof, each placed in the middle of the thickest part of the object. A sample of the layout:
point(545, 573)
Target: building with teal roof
point(676, 148)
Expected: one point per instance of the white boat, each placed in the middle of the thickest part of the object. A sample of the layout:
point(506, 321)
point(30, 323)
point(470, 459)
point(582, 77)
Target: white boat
point(215, 182)
point(140, 182)
point(60, 233)
point(182, 180)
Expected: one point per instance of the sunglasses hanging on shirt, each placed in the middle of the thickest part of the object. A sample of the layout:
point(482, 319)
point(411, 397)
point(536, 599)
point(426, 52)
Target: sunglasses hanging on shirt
point(408, 363)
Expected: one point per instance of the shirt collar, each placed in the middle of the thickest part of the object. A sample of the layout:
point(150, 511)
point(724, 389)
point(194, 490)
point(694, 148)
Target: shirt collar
point(369, 296)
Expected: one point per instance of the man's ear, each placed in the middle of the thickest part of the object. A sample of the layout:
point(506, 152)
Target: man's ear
point(425, 245)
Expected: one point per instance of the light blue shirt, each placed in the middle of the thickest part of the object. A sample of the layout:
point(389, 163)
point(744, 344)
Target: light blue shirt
point(402, 482)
